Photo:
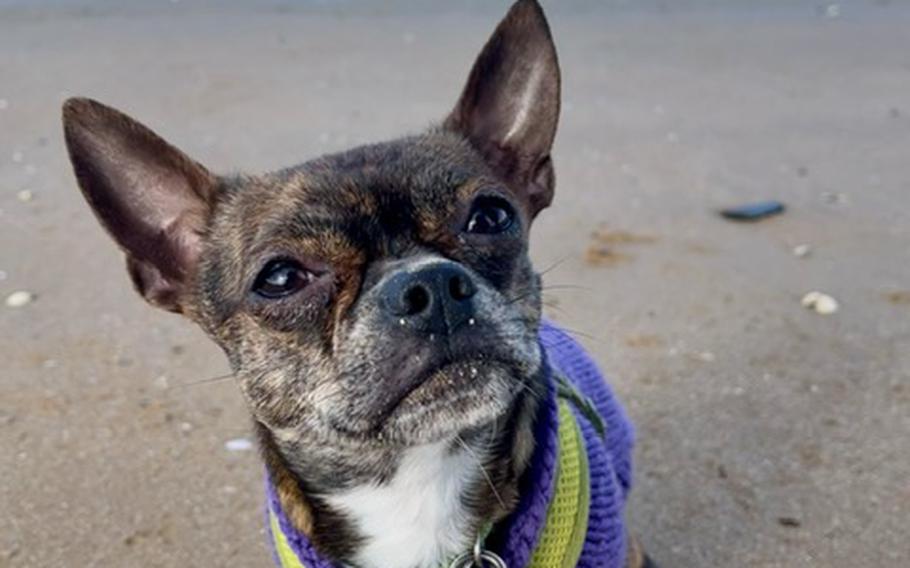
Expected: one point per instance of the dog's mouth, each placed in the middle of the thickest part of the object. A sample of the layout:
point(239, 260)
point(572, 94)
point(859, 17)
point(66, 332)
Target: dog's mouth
point(436, 400)
point(455, 397)
point(448, 382)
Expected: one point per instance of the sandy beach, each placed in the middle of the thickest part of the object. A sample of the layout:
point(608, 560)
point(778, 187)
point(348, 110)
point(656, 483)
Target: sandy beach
point(769, 435)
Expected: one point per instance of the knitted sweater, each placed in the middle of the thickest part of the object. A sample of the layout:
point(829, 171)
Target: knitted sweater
point(520, 539)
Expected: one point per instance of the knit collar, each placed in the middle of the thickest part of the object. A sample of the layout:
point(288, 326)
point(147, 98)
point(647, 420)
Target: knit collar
point(538, 533)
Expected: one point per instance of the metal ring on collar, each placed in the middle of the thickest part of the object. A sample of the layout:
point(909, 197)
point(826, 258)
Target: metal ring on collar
point(478, 559)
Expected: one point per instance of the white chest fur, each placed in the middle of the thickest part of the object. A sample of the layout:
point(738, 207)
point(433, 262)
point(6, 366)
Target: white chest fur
point(416, 520)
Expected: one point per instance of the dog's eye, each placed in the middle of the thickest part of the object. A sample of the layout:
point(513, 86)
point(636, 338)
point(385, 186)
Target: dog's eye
point(490, 215)
point(281, 278)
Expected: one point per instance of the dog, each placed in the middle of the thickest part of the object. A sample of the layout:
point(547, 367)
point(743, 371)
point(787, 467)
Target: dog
point(383, 321)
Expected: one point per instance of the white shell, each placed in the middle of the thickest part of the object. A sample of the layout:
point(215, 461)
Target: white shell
point(238, 445)
point(820, 302)
point(19, 298)
point(802, 251)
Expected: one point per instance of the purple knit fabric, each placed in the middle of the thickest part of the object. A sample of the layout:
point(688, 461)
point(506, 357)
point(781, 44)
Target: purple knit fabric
point(609, 459)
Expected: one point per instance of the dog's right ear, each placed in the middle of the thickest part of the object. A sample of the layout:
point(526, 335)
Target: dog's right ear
point(509, 108)
point(152, 199)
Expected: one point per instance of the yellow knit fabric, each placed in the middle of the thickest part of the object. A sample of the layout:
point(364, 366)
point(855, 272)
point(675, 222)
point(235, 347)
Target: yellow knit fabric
point(567, 518)
point(564, 532)
point(282, 549)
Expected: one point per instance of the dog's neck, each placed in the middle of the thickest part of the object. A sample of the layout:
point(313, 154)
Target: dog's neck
point(421, 505)
point(421, 516)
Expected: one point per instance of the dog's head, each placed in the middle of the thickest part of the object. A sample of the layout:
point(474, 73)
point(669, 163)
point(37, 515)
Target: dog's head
point(381, 296)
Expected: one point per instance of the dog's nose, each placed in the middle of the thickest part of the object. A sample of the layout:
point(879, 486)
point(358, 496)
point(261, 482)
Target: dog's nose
point(436, 298)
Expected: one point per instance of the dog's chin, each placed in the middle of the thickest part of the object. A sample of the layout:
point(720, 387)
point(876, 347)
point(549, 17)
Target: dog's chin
point(459, 396)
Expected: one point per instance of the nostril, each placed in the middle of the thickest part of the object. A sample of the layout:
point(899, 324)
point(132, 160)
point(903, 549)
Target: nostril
point(416, 300)
point(460, 287)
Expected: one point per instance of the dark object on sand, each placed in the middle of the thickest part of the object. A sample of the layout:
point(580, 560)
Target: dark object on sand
point(753, 211)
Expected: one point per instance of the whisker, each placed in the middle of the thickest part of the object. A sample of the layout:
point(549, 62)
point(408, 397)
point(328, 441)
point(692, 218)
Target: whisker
point(520, 297)
point(483, 470)
point(582, 334)
point(565, 287)
point(553, 305)
point(555, 265)
point(202, 382)
point(525, 386)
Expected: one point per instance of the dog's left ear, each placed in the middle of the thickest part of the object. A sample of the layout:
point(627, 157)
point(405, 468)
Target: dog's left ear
point(509, 108)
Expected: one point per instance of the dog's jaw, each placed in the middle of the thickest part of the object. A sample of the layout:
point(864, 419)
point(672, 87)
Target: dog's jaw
point(408, 507)
point(419, 518)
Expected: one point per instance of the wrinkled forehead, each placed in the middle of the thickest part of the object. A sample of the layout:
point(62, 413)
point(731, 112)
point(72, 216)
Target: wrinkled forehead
point(406, 186)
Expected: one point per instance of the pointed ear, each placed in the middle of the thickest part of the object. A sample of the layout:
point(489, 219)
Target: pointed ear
point(509, 108)
point(152, 199)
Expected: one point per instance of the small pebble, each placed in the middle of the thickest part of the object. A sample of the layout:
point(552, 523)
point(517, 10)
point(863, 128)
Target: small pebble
point(6, 418)
point(238, 445)
point(25, 195)
point(706, 357)
point(832, 11)
point(161, 382)
point(754, 211)
point(18, 156)
point(4, 104)
point(820, 303)
point(186, 427)
point(835, 198)
point(790, 522)
point(802, 251)
point(19, 299)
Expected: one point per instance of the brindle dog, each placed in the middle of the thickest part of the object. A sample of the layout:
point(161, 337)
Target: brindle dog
point(377, 306)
